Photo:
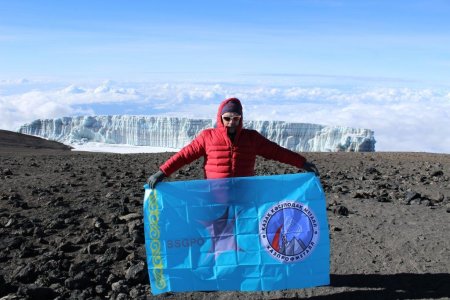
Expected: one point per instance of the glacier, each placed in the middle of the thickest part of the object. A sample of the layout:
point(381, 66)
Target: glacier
point(174, 132)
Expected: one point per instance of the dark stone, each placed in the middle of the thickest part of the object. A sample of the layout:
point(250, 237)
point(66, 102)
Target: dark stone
point(384, 198)
point(335, 228)
point(415, 201)
point(437, 173)
point(113, 254)
point(27, 251)
point(410, 196)
point(116, 220)
point(119, 286)
point(110, 195)
point(14, 197)
point(138, 292)
point(25, 274)
point(110, 238)
point(3, 286)
point(56, 224)
point(121, 296)
point(359, 194)
point(38, 232)
point(111, 278)
point(372, 170)
point(99, 223)
point(7, 172)
point(80, 240)
point(124, 209)
point(77, 294)
point(11, 242)
point(100, 289)
point(80, 281)
point(125, 200)
point(135, 225)
point(136, 273)
point(341, 210)
point(137, 236)
point(96, 248)
point(68, 247)
point(11, 222)
point(49, 265)
point(37, 292)
point(345, 189)
point(4, 256)
point(109, 184)
point(426, 202)
point(86, 266)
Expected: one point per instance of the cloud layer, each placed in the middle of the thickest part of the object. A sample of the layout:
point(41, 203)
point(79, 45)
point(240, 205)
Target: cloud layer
point(404, 119)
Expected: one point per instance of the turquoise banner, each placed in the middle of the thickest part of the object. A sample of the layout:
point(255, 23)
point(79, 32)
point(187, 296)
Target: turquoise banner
point(245, 234)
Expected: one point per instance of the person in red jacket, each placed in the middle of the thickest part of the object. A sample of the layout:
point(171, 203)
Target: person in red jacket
point(229, 150)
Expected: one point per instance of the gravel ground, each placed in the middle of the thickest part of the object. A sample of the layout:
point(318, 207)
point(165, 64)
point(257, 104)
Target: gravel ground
point(71, 224)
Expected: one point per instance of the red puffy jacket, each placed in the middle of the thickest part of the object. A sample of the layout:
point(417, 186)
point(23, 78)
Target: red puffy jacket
point(223, 158)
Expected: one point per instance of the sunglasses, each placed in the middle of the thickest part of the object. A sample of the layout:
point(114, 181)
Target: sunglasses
point(228, 119)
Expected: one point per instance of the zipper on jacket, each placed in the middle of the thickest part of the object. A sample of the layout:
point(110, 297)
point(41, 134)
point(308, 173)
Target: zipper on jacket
point(232, 160)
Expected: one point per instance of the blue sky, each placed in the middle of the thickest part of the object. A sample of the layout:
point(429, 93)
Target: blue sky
point(407, 40)
point(391, 58)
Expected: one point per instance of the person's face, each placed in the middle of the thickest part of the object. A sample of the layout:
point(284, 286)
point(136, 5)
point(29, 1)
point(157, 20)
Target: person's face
point(231, 120)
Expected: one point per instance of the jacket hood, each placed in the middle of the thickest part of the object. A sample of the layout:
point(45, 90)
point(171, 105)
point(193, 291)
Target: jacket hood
point(219, 123)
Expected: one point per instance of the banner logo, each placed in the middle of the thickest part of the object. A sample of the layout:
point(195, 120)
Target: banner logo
point(289, 231)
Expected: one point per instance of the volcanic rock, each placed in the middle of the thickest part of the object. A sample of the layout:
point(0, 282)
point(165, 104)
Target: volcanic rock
point(78, 282)
point(341, 210)
point(137, 273)
point(25, 274)
point(37, 292)
point(74, 242)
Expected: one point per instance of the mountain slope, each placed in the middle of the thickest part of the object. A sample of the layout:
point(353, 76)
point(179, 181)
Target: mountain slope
point(12, 140)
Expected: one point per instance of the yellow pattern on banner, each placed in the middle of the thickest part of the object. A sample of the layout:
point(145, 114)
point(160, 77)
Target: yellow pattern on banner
point(155, 245)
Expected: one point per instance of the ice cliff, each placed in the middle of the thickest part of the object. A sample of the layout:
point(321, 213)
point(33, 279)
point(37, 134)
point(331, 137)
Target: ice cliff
point(172, 132)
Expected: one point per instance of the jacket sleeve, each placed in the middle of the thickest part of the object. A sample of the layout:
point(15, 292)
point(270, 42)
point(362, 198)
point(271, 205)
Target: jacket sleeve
point(185, 156)
point(271, 150)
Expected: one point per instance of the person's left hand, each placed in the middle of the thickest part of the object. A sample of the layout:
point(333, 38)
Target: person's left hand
point(310, 167)
point(155, 178)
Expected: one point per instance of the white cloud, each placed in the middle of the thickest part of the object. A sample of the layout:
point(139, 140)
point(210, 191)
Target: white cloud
point(404, 119)
point(73, 89)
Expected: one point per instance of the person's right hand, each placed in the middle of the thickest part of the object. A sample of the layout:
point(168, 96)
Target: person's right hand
point(155, 178)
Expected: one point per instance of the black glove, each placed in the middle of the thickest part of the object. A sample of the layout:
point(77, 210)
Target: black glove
point(155, 178)
point(310, 167)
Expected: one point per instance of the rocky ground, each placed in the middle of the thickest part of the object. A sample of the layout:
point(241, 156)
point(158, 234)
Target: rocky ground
point(71, 225)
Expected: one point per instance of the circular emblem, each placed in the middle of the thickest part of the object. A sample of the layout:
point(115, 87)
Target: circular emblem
point(289, 231)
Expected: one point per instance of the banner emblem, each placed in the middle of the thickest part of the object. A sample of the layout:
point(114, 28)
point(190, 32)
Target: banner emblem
point(289, 231)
